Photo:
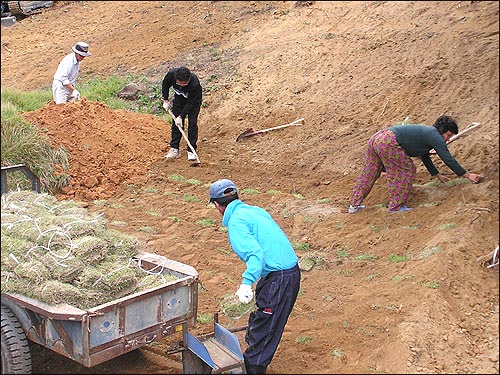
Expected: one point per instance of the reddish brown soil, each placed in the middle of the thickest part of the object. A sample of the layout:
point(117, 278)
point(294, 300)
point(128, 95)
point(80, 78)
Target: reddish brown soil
point(349, 69)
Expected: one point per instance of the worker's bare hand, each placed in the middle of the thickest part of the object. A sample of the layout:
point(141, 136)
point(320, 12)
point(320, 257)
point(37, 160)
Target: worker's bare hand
point(473, 177)
point(166, 105)
point(442, 178)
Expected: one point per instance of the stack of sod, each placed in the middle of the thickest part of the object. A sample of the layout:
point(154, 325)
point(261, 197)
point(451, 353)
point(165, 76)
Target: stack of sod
point(57, 252)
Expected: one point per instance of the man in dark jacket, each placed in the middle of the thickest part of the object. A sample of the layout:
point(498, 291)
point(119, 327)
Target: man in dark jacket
point(186, 102)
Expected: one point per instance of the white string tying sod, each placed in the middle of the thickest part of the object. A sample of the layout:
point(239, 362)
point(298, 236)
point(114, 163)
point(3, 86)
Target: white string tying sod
point(158, 268)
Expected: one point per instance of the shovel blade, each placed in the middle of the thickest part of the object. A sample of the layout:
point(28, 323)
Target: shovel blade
point(247, 133)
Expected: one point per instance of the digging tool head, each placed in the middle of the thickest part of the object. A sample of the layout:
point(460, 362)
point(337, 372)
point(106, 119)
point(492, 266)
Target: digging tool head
point(246, 133)
point(249, 132)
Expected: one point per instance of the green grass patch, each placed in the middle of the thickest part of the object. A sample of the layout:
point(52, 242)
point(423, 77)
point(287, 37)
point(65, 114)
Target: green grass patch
point(372, 277)
point(190, 198)
point(338, 353)
point(250, 191)
point(204, 318)
point(323, 200)
point(299, 196)
point(24, 143)
point(376, 229)
point(310, 260)
point(429, 284)
point(286, 213)
point(341, 253)
point(174, 218)
point(193, 181)
point(414, 226)
point(150, 190)
point(105, 90)
point(429, 251)
point(153, 213)
point(118, 223)
point(346, 273)
point(206, 222)
point(447, 226)
point(224, 251)
point(402, 277)
point(328, 298)
point(437, 183)
point(303, 339)
point(176, 177)
point(271, 191)
point(394, 258)
point(148, 229)
point(367, 257)
point(301, 246)
point(366, 331)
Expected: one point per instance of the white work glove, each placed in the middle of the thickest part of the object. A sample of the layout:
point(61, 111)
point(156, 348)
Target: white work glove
point(245, 293)
point(75, 94)
point(166, 105)
point(178, 121)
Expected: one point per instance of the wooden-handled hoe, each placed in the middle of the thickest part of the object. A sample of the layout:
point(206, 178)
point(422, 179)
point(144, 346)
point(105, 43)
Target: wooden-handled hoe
point(250, 132)
point(198, 162)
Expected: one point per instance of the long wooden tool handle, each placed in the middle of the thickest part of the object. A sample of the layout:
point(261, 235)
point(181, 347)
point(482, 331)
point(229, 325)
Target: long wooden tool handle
point(456, 136)
point(471, 126)
point(185, 137)
point(296, 122)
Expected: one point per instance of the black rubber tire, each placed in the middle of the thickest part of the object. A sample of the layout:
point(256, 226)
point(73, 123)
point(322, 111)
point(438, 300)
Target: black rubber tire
point(16, 356)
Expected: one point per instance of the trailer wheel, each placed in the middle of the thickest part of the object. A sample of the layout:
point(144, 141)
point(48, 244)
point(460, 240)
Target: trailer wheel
point(16, 357)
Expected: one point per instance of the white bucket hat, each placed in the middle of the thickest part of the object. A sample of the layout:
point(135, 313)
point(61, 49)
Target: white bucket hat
point(81, 48)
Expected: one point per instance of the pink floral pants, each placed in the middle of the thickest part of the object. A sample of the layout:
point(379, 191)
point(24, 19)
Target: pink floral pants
point(384, 151)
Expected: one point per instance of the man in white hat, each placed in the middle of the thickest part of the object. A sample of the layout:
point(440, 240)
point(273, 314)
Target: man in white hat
point(63, 85)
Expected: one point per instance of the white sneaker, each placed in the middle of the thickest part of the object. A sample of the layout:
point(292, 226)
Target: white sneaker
point(191, 156)
point(354, 209)
point(173, 154)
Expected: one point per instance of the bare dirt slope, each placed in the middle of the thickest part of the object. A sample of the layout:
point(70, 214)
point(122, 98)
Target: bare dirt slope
point(349, 69)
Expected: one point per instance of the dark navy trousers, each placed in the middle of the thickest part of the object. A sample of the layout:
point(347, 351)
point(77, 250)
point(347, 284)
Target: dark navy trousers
point(275, 296)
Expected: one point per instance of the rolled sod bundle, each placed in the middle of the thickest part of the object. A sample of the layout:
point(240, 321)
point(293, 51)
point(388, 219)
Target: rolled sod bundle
point(90, 249)
point(54, 292)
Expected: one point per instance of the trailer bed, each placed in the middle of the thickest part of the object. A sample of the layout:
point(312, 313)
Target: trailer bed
point(98, 334)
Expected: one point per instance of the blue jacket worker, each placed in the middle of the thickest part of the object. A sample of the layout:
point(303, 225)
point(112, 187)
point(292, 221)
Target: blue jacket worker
point(271, 263)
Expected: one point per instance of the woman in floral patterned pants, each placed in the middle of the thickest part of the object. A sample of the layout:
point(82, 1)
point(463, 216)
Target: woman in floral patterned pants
point(392, 149)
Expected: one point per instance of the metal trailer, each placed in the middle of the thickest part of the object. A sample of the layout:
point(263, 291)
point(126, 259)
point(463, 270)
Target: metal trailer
point(109, 330)
point(103, 332)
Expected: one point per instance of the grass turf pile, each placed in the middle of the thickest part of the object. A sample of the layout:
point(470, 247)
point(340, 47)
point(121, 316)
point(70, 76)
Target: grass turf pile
point(56, 252)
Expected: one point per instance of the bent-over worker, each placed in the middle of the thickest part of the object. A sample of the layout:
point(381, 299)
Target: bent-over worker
point(392, 149)
point(271, 263)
